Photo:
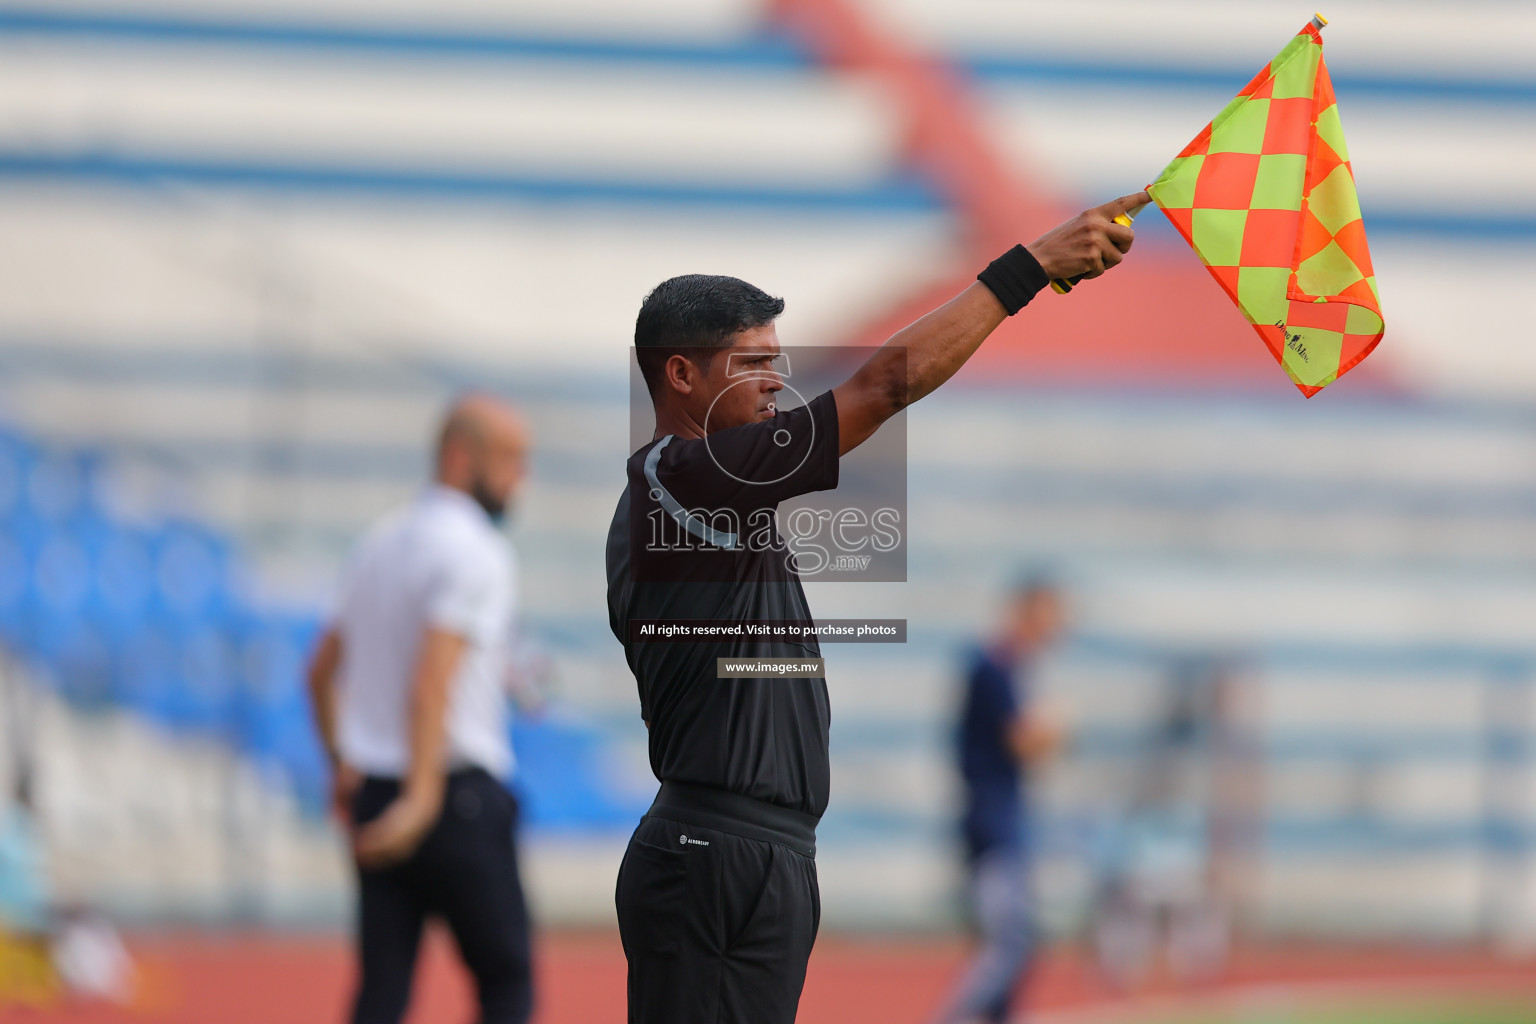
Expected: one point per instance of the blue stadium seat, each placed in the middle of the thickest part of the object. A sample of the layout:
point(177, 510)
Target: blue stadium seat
point(560, 780)
point(123, 582)
point(56, 485)
point(14, 572)
point(15, 455)
point(192, 571)
point(148, 672)
point(199, 699)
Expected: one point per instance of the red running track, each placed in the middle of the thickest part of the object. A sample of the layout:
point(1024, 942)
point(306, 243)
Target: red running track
point(259, 978)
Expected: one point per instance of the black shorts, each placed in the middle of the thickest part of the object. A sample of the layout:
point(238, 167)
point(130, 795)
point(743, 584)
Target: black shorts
point(717, 926)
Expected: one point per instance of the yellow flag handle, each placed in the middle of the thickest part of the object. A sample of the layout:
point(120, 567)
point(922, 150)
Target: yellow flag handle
point(1063, 285)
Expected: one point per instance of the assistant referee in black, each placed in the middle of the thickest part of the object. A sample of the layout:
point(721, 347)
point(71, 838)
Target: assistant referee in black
point(717, 897)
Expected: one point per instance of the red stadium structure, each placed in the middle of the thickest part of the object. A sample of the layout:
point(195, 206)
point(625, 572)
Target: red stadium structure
point(1153, 323)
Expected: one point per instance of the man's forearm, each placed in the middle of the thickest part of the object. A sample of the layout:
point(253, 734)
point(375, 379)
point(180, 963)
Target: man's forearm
point(925, 354)
point(915, 361)
point(437, 662)
point(938, 344)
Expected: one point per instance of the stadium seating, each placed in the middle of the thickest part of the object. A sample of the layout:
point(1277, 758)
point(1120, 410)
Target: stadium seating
point(253, 248)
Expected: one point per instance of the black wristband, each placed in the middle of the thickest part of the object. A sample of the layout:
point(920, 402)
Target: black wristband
point(1014, 278)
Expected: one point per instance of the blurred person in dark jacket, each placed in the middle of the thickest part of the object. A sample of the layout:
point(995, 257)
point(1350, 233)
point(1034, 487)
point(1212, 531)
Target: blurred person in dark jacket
point(1001, 736)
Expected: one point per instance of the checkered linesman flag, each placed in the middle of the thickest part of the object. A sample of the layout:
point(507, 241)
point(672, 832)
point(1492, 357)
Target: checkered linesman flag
point(1265, 195)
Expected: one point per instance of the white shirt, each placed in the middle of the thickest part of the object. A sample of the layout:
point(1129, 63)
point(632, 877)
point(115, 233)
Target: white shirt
point(437, 562)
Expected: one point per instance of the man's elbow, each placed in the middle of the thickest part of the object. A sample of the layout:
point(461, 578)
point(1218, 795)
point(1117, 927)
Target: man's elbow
point(324, 662)
point(891, 389)
point(319, 685)
point(873, 395)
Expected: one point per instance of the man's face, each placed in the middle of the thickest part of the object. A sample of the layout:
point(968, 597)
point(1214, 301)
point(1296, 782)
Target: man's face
point(1038, 619)
point(742, 383)
point(500, 465)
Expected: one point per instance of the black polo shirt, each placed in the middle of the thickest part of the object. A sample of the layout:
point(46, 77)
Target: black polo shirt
point(695, 537)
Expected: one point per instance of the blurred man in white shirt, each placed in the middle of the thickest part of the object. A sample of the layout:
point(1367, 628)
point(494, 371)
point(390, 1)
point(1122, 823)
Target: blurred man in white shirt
point(408, 690)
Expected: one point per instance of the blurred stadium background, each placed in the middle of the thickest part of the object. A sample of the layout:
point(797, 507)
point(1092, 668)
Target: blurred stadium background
point(249, 249)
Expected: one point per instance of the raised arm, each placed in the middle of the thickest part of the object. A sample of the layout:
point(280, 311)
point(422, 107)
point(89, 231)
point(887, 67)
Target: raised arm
point(926, 353)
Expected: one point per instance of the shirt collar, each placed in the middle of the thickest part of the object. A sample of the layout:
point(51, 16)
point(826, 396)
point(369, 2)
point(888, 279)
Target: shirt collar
point(453, 498)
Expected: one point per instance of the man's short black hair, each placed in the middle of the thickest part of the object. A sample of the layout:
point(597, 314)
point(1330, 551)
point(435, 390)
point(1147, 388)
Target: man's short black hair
point(694, 314)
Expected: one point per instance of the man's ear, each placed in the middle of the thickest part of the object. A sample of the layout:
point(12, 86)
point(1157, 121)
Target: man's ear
point(680, 374)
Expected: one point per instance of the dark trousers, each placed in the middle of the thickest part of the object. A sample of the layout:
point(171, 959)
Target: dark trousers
point(465, 871)
point(717, 927)
point(1002, 911)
